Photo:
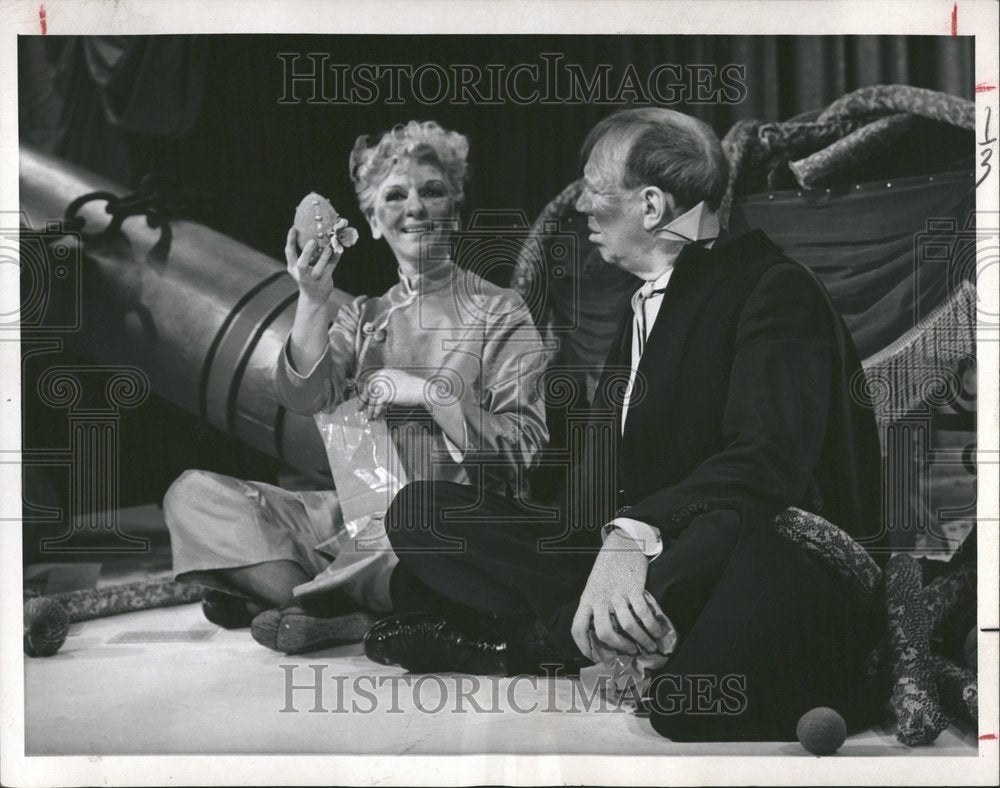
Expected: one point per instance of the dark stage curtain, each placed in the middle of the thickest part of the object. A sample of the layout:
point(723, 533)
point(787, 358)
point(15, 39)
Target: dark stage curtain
point(206, 110)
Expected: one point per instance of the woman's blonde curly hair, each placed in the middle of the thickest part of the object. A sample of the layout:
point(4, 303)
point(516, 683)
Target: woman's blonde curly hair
point(419, 141)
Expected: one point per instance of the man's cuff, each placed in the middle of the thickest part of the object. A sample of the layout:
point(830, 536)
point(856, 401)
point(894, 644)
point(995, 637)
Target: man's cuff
point(643, 534)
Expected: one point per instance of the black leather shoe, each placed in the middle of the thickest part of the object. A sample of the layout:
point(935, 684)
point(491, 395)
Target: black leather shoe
point(294, 630)
point(226, 610)
point(429, 643)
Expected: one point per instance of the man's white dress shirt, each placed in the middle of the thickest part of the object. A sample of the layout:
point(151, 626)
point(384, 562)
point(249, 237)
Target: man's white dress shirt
point(697, 224)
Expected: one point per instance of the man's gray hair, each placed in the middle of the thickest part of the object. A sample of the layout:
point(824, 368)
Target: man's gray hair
point(673, 151)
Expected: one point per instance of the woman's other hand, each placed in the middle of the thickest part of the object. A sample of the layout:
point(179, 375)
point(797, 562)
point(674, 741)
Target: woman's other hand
point(315, 280)
point(391, 387)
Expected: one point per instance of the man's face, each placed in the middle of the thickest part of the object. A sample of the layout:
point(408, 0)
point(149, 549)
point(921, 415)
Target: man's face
point(614, 213)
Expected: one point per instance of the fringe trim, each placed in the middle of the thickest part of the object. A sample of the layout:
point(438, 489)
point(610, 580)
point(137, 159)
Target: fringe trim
point(924, 364)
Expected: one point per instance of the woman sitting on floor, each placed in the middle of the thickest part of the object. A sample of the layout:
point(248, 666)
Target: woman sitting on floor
point(451, 359)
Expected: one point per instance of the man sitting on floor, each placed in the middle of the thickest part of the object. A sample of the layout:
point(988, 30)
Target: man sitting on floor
point(739, 406)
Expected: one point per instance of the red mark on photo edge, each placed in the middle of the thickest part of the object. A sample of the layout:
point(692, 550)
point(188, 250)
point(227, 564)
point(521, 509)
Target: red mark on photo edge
point(988, 737)
point(954, 19)
point(41, 19)
point(985, 87)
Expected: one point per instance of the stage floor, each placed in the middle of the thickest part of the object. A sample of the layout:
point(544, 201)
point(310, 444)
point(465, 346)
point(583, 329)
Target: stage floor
point(168, 682)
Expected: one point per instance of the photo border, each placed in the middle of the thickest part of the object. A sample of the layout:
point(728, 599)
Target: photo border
point(978, 18)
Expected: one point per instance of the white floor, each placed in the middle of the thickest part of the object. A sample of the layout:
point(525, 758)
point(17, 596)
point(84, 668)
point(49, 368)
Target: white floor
point(219, 692)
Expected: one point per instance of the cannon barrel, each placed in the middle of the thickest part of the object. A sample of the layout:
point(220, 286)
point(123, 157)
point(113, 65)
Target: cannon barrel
point(203, 316)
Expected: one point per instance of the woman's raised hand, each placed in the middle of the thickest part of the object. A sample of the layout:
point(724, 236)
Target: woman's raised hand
point(315, 281)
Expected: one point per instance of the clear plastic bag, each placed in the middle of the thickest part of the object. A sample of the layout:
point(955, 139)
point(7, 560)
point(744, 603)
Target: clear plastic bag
point(367, 471)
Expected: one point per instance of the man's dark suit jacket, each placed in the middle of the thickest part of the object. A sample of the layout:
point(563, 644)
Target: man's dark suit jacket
point(744, 398)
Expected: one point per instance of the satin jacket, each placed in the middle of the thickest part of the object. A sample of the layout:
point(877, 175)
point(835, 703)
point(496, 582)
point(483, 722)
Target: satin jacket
point(480, 353)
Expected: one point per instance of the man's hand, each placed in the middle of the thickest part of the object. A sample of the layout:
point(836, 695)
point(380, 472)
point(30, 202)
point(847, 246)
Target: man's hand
point(392, 387)
point(615, 603)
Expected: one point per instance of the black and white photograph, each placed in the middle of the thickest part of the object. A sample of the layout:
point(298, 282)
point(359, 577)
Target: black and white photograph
point(499, 393)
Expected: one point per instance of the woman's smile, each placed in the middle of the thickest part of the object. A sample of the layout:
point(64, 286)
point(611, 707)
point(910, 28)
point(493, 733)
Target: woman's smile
point(413, 206)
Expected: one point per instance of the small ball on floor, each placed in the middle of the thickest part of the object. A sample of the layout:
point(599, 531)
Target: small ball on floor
point(822, 731)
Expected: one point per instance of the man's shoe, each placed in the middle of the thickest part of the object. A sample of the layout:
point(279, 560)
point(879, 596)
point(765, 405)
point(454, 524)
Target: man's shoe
point(429, 643)
point(293, 630)
point(226, 610)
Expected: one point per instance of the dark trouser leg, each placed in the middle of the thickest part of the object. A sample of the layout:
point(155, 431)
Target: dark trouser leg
point(503, 568)
point(766, 633)
point(684, 576)
point(777, 637)
point(480, 550)
point(410, 594)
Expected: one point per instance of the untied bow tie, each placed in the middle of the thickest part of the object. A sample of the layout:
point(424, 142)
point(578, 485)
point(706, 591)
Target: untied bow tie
point(646, 292)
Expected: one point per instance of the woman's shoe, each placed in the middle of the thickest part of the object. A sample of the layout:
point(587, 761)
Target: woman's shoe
point(292, 630)
point(226, 610)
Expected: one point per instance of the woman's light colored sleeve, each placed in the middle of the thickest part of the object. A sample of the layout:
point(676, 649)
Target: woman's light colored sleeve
point(501, 413)
point(324, 385)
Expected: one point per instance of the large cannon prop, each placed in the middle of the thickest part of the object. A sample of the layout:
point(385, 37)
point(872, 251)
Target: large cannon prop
point(199, 314)
point(147, 302)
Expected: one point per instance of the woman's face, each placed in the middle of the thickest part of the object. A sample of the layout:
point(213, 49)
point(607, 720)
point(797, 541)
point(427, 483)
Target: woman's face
point(413, 207)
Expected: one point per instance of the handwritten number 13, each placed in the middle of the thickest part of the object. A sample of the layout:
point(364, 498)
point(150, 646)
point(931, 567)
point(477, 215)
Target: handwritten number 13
point(987, 152)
